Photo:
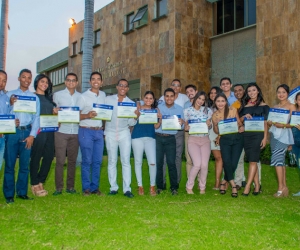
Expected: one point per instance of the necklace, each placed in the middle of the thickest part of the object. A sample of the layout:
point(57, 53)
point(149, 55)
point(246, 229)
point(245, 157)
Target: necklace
point(252, 102)
point(281, 105)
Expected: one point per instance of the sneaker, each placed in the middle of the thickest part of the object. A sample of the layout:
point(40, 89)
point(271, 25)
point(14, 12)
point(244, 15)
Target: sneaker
point(86, 192)
point(113, 192)
point(128, 194)
point(71, 191)
point(174, 192)
point(141, 191)
point(97, 192)
point(297, 194)
point(152, 191)
point(57, 192)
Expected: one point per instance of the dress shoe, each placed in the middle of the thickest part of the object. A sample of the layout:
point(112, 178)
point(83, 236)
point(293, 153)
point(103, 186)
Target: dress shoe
point(113, 192)
point(128, 194)
point(57, 193)
point(244, 184)
point(141, 191)
point(97, 192)
point(246, 194)
point(159, 191)
point(164, 186)
point(86, 192)
point(152, 191)
point(71, 191)
point(24, 197)
point(256, 193)
point(174, 192)
point(10, 200)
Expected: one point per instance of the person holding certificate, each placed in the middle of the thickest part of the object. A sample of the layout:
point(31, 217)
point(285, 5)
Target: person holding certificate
point(90, 136)
point(143, 139)
point(166, 142)
point(254, 111)
point(215, 149)
point(117, 135)
point(43, 145)
point(231, 143)
point(66, 138)
point(198, 142)
point(20, 143)
point(281, 137)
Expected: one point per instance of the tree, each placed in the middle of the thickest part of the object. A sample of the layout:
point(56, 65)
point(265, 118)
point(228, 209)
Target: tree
point(87, 47)
point(3, 33)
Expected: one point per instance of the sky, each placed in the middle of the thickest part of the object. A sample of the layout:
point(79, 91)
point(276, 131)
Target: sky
point(38, 29)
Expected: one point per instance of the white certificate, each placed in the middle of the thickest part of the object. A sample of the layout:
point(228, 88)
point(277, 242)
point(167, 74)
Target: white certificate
point(171, 122)
point(228, 126)
point(126, 110)
point(68, 115)
point(293, 94)
point(295, 119)
point(198, 126)
point(256, 124)
point(148, 116)
point(104, 112)
point(7, 124)
point(279, 115)
point(48, 123)
point(25, 104)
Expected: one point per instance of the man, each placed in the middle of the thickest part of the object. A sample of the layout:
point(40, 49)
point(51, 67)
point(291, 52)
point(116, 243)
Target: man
point(180, 99)
point(166, 143)
point(191, 91)
point(117, 135)
point(90, 136)
point(66, 138)
point(21, 142)
point(226, 85)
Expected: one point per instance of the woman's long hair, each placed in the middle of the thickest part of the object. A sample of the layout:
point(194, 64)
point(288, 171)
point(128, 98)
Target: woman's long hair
point(205, 105)
point(226, 109)
point(48, 91)
point(154, 104)
point(246, 97)
point(218, 91)
point(296, 104)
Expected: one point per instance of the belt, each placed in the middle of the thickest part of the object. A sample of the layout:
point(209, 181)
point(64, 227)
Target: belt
point(163, 134)
point(93, 128)
point(24, 127)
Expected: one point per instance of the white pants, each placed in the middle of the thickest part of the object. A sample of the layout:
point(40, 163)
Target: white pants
point(123, 141)
point(139, 145)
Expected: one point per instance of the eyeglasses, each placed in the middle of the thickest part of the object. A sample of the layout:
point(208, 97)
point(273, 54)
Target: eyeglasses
point(175, 85)
point(71, 80)
point(123, 86)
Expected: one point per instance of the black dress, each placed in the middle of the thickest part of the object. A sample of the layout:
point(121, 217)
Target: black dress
point(252, 140)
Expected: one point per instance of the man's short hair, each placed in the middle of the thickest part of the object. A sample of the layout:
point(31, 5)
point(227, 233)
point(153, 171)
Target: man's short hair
point(169, 90)
point(225, 78)
point(124, 80)
point(176, 80)
point(191, 86)
point(96, 73)
point(3, 72)
point(237, 85)
point(25, 71)
point(71, 74)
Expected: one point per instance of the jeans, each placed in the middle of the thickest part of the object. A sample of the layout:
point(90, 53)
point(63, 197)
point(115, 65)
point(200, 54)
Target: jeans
point(139, 145)
point(113, 142)
point(2, 147)
point(166, 145)
point(15, 146)
point(296, 146)
point(91, 145)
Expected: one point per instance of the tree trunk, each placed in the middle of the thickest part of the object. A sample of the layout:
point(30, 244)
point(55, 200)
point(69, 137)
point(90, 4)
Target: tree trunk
point(3, 33)
point(87, 57)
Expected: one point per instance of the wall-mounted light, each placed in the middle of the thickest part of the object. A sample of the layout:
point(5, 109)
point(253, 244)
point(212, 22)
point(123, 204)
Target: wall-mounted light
point(72, 21)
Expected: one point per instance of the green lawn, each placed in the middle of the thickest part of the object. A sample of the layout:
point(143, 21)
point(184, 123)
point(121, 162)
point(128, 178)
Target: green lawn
point(210, 221)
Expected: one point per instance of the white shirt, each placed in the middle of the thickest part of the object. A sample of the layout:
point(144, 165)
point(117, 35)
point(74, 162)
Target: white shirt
point(85, 103)
point(117, 125)
point(64, 98)
point(180, 100)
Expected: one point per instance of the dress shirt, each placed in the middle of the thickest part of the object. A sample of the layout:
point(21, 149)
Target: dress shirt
point(85, 103)
point(27, 118)
point(174, 110)
point(64, 98)
point(231, 99)
point(4, 103)
point(117, 125)
point(180, 100)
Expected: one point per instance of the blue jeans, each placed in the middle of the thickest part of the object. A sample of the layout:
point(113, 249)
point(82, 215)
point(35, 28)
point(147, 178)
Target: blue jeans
point(15, 146)
point(91, 145)
point(296, 146)
point(2, 147)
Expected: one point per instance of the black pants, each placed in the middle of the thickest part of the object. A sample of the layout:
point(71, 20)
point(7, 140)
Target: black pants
point(166, 145)
point(43, 147)
point(231, 149)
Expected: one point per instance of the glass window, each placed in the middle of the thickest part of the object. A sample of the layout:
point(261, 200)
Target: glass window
point(97, 37)
point(240, 14)
point(129, 23)
point(161, 7)
point(81, 44)
point(219, 17)
point(74, 48)
point(140, 14)
point(251, 12)
point(228, 15)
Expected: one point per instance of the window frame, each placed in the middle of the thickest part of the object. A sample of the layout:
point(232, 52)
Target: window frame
point(143, 20)
point(128, 22)
point(74, 49)
point(81, 46)
point(95, 44)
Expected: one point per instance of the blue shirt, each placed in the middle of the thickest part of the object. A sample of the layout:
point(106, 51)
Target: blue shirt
point(187, 104)
point(27, 118)
point(231, 99)
point(4, 103)
point(174, 110)
point(143, 130)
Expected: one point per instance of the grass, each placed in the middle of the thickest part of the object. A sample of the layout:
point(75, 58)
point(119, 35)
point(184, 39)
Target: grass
point(210, 221)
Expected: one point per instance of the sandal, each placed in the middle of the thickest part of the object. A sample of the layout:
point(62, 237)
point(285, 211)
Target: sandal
point(223, 191)
point(234, 195)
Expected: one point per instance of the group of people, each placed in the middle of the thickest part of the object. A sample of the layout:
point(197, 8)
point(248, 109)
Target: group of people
point(163, 147)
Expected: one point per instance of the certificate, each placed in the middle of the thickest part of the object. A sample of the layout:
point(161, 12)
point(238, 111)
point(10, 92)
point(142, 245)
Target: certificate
point(25, 104)
point(228, 126)
point(148, 116)
point(7, 124)
point(68, 115)
point(126, 110)
point(295, 119)
point(198, 126)
point(171, 122)
point(48, 123)
point(104, 112)
point(256, 124)
point(279, 115)
point(293, 94)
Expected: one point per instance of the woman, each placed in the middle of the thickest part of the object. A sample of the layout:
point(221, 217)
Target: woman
point(253, 105)
point(198, 144)
point(43, 146)
point(280, 138)
point(212, 136)
point(231, 144)
point(143, 139)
